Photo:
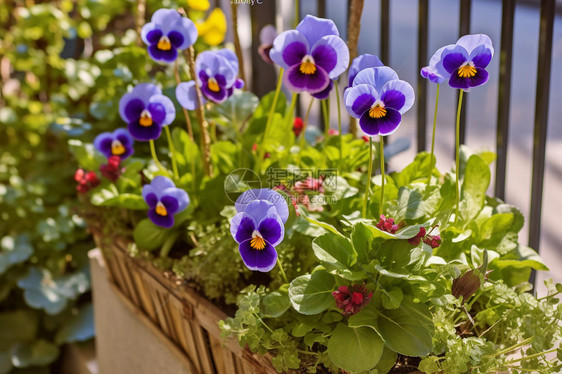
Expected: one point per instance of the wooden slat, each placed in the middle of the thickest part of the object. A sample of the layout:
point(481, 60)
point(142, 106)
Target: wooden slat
point(541, 120)
point(145, 300)
point(421, 94)
point(128, 282)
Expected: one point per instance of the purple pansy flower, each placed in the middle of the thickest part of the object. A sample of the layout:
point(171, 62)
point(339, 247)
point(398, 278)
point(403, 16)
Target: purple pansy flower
point(164, 200)
point(259, 227)
point(216, 73)
point(378, 98)
point(313, 55)
point(463, 64)
point(361, 63)
point(146, 110)
point(116, 143)
point(167, 32)
point(267, 36)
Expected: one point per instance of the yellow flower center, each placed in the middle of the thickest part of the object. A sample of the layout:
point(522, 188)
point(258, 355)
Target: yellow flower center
point(307, 65)
point(164, 44)
point(117, 148)
point(145, 119)
point(257, 241)
point(213, 85)
point(467, 71)
point(377, 111)
point(161, 209)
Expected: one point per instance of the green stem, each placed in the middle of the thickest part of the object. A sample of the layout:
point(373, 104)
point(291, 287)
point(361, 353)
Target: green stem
point(457, 158)
point(430, 171)
point(297, 12)
point(169, 243)
point(289, 115)
point(173, 151)
point(532, 356)
point(369, 172)
point(512, 348)
point(339, 121)
point(154, 157)
point(381, 155)
point(324, 104)
point(305, 123)
point(261, 153)
point(283, 275)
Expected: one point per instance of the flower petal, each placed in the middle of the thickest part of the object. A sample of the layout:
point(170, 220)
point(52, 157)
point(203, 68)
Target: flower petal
point(289, 48)
point(102, 143)
point(165, 19)
point(150, 34)
point(260, 260)
point(268, 34)
point(325, 92)
point(481, 56)
point(159, 55)
point(170, 203)
point(169, 110)
point(376, 77)
point(242, 225)
point(360, 63)
point(274, 197)
point(186, 28)
point(314, 28)
point(272, 229)
point(473, 41)
point(130, 107)
point(453, 58)
point(312, 83)
point(144, 133)
point(360, 98)
point(179, 195)
point(186, 94)
point(332, 54)
point(151, 199)
point(399, 95)
point(166, 221)
point(380, 126)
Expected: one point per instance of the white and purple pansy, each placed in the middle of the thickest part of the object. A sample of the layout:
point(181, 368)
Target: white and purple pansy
point(117, 143)
point(362, 62)
point(216, 73)
point(313, 54)
point(164, 201)
point(378, 98)
point(463, 64)
point(258, 227)
point(146, 111)
point(167, 33)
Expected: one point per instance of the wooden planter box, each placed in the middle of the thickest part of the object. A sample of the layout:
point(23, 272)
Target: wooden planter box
point(188, 320)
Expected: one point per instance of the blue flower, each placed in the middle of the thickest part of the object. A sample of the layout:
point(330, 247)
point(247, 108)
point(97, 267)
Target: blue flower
point(258, 227)
point(116, 143)
point(146, 110)
point(361, 63)
point(167, 32)
point(313, 54)
point(463, 64)
point(164, 200)
point(378, 98)
point(216, 73)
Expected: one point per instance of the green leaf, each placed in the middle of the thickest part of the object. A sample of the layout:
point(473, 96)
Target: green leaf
point(111, 197)
point(473, 191)
point(17, 326)
point(236, 110)
point(86, 155)
point(334, 250)
point(5, 362)
point(149, 236)
point(407, 330)
point(355, 349)
point(324, 225)
point(526, 257)
point(362, 238)
point(411, 204)
point(312, 293)
point(276, 303)
point(14, 251)
point(37, 353)
point(78, 328)
point(392, 299)
point(386, 362)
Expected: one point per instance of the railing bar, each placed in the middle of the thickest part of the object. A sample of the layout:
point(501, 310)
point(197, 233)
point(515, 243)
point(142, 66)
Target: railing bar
point(321, 8)
point(464, 28)
point(423, 18)
point(541, 119)
point(504, 95)
point(261, 72)
point(385, 32)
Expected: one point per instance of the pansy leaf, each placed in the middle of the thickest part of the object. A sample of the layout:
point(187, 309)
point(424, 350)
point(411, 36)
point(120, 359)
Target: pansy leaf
point(37, 353)
point(149, 236)
point(312, 293)
point(276, 303)
point(473, 191)
point(355, 349)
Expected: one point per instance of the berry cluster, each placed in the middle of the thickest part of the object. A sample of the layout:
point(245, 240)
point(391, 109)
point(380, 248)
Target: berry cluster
point(387, 224)
point(112, 169)
point(352, 299)
point(86, 180)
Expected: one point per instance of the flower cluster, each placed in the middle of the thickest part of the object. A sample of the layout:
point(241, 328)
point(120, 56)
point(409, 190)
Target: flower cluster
point(258, 227)
point(378, 98)
point(433, 241)
point(313, 54)
point(418, 238)
point(462, 64)
point(216, 73)
point(352, 299)
point(164, 200)
point(86, 180)
point(146, 111)
point(112, 170)
point(167, 33)
point(387, 224)
point(117, 143)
